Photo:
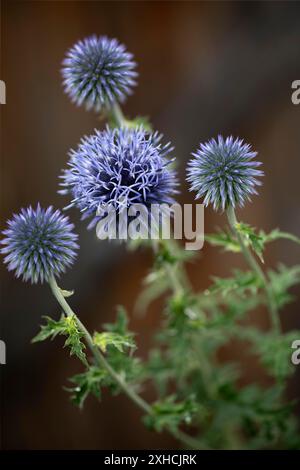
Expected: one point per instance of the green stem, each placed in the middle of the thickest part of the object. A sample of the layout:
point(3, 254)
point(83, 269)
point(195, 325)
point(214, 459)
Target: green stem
point(256, 268)
point(102, 362)
point(118, 116)
point(98, 356)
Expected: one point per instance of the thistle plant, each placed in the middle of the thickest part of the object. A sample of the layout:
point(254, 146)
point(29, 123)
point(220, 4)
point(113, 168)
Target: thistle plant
point(119, 167)
point(200, 399)
point(39, 244)
point(98, 72)
point(223, 171)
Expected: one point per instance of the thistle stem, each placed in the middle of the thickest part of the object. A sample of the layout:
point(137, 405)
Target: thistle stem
point(102, 362)
point(117, 115)
point(275, 320)
point(98, 356)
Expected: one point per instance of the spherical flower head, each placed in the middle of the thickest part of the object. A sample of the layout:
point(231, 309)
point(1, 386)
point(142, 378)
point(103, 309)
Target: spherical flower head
point(97, 72)
point(224, 173)
point(38, 244)
point(118, 168)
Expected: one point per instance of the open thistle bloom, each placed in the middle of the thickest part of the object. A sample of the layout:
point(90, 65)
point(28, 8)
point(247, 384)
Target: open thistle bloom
point(97, 72)
point(39, 243)
point(118, 168)
point(224, 173)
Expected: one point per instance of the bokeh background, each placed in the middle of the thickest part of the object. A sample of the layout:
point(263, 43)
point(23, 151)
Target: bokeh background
point(205, 68)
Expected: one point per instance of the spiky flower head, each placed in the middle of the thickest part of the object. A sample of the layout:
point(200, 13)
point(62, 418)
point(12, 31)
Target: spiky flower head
point(224, 173)
point(117, 168)
point(39, 243)
point(97, 72)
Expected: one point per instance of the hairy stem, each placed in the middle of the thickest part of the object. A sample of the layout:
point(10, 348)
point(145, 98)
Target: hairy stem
point(274, 315)
point(102, 362)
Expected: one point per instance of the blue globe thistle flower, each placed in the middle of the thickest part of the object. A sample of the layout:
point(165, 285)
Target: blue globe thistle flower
point(117, 168)
point(98, 72)
point(39, 244)
point(224, 173)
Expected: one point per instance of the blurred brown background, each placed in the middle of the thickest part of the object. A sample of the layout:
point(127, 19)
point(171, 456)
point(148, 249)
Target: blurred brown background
point(205, 68)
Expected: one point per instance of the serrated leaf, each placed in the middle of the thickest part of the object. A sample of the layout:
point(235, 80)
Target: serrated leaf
point(283, 279)
point(276, 234)
point(170, 414)
point(224, 240)
point(51, 329)
point(120, 342)
point(121, 324)
point(276, 351)
point(256, 241)
point(86, 383)
point(66, 326)
point(240, 283)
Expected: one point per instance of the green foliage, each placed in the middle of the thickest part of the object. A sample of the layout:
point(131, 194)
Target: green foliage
point(186, 358)
point(197, 386)
point(252, 239)
point(117, 335)
point(66, 326)
point(168, 255)
point(119, 352)
point(275, 353)
point(88, 382)
point(223, 239)
point(169, 414)
point(139, 121)
point(241, 283)
point(281, 281)
point(256, 240)
point(121, 342)
point(276, 234)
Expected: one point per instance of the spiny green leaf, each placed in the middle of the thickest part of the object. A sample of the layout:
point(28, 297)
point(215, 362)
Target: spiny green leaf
point(256, 241)
point(51, 329)
point(281, 280)
point(275, 352)
point(169, 413)
point(276, 234)
point(74, 339)
point(120, 342)
point(66, 326)
point(224, 240)
point(240, 282)
point(121, 324)
point(86, 383)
